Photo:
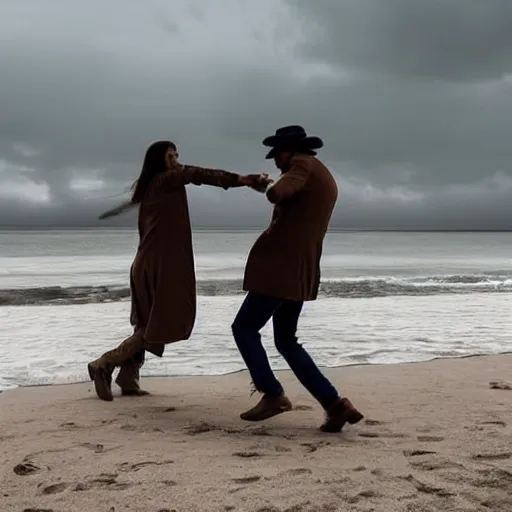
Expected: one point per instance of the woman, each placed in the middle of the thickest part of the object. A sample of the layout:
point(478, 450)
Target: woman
point(162, 277)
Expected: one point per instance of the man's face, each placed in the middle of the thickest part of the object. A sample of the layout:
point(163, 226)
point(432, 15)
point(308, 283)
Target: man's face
point(283, 160)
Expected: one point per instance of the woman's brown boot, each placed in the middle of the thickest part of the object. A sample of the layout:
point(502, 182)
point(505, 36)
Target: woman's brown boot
point(128, 379)
point(101, 373)
point(101, 370)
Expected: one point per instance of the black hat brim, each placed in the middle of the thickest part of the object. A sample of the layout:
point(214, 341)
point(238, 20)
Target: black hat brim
point(307, 144)
point(311, 142)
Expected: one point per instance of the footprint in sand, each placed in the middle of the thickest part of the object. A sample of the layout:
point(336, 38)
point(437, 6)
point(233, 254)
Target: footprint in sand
point(303, 507)
point(364, 495)
point(129, 427)
point(493, 478)
point(203, 427)
point(500, 385)
point(371, 422)
point(200, 428)
point(313, 447)
point(297, 472)
point(497, 423)
point(69, 425)
point(492, 456)
point(108, 477)
point(417, 453)
point(260, 431)
point(96, 448)
point(247, 455)
point(103, 481)
point(247, 480)
point(55, 488)
point(427, 489)
point(303, 408)
point(130, 414)
point(163, 409)
point(496, 503)
point(381, 434)
point(425, 465)
point(425, 429)
point(126, 466)
point(26, 468)
point(231, 430)
point(430, 439)
point(237, 489)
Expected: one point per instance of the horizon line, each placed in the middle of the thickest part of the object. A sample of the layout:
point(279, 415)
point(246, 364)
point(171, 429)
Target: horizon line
point(259, 228)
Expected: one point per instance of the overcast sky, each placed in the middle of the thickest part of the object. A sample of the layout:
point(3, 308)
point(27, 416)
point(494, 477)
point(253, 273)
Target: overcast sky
point(413, 99)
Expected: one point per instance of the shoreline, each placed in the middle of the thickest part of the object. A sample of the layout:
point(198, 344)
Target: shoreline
point(277, 371)
point(250, 229)
point(436, 436)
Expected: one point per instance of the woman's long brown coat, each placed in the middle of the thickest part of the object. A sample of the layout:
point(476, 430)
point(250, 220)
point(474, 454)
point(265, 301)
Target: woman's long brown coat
point(162, 276)
point(285, 260)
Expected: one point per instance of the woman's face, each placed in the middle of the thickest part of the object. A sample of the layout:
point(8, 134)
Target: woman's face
point(171, 158)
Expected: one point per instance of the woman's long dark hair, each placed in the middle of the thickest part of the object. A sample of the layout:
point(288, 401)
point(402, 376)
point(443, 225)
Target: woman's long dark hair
point(154, 163)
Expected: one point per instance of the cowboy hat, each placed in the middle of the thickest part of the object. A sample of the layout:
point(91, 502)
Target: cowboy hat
point(292, 137)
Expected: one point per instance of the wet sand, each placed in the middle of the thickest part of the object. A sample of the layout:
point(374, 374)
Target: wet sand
point(437, 436)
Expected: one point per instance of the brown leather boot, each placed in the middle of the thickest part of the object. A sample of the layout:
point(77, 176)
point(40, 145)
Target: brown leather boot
point(101, 374)
point(267, 407)
point(340, 413)
point(128, 380)
point(101, 370)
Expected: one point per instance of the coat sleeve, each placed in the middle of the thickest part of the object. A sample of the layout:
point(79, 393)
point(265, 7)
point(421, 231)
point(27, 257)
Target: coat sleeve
point(199, 176)
point(289, 183)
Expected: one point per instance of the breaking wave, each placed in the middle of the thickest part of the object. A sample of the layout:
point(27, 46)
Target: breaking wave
point(339, 288)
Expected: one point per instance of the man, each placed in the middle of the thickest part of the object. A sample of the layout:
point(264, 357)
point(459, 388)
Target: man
point(283, 271)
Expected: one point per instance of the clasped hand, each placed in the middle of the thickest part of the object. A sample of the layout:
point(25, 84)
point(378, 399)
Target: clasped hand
point(258, 182)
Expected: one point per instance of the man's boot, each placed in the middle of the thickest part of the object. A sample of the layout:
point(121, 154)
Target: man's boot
point(341, 412)
point(267, 407)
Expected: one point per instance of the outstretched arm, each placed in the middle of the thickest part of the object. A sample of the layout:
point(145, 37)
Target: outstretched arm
point(213, 177)
point(289, 183)
point(198, 176)
point(186, 174)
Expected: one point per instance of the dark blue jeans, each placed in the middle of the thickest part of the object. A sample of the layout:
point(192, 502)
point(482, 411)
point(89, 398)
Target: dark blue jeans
point(255, 312)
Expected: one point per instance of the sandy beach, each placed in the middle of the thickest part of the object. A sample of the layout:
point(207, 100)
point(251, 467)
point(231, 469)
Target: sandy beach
point(437, 436)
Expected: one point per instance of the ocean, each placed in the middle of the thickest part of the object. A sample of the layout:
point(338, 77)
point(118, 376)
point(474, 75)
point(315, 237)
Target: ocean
point(386, 297)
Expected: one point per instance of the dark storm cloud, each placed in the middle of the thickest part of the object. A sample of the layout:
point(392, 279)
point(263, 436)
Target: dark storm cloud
point(460, 40)
point(440, 133)
point(414, 108)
